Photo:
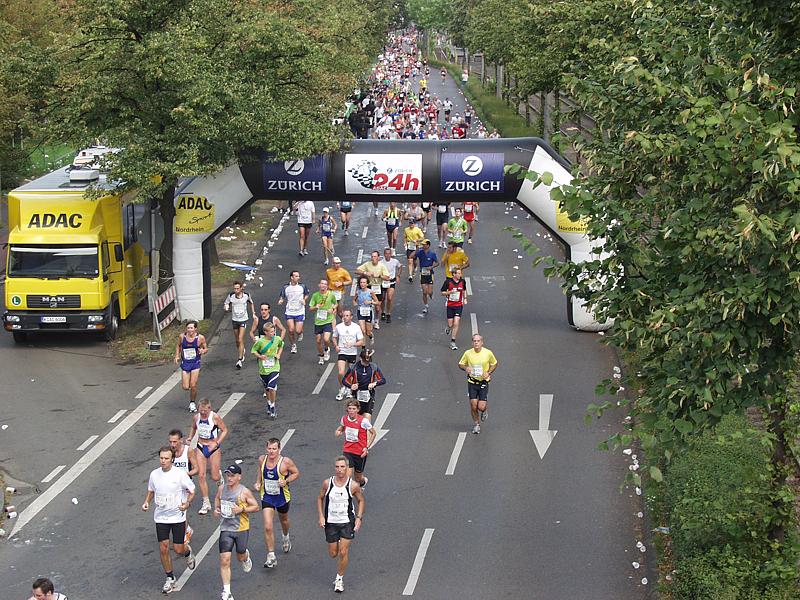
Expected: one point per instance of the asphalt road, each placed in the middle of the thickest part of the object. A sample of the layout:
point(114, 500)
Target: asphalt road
point(505, 523)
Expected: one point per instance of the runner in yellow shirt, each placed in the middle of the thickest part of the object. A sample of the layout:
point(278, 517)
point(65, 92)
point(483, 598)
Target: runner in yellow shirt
point(479, 364)
point(377, 273)
point(413, 236)
point(454, 257)
point(338, 279)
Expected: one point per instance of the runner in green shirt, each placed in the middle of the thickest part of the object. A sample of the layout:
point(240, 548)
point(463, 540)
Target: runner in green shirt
point(457, 228)
point(324, 303)
point(268, 350)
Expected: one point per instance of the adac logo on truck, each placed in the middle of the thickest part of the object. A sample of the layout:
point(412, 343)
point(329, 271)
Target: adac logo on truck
point(472, 173)
point(193, 214)
point(383, 174)
point(306, 175)
point(52, 220)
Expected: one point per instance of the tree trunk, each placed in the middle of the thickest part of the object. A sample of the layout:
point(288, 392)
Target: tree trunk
point(543, 116)
point(528, 111)
point(167, 207)
point(244, 216)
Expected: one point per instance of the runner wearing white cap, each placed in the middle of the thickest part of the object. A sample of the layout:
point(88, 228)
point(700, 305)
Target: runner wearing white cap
point(326, 227)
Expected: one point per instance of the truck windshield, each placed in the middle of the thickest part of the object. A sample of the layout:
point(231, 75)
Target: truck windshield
point(53, 261)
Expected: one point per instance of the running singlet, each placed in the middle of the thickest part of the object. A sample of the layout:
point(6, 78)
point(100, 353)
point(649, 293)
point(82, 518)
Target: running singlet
point(269, 348)
point(262, 321)
point(392, 218)
point(469, 211)
point(391, 266)
point(326, 227)
point(344, 205)
point(238, 306)
point(190, 353)
point(228, 499)
point(455, 291)
point(294, 294)
point(478, 363)
point(324, 312)
point(339, 504)
point(363, 297)
point(456, 228)
point(271, 491)
point(355, 434)
point(182, 462)
point(206, 428)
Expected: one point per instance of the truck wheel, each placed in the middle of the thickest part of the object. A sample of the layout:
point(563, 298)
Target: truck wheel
point(112, 324)
point(20, 337)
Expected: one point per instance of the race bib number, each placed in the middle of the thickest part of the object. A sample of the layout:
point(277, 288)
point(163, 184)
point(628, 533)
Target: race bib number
point(322, 314)
point(468, 208)
point(348, 341)
point(337, 294)
point(189, 353)
point(351, 434)
point(411, 246)
point(268, 363)
point(386, 284)
point(204, 430)
point(476, 371)
point(376, 288)
point(271, 487)
point(363, 395)
point(365, 311)
point(391, 221)
point(441, 209)
point(338, 511)
point(326, 227)
point(454, 296)
point(167, 501)
point(425, 271)
point(294, 306)
point(226, 509)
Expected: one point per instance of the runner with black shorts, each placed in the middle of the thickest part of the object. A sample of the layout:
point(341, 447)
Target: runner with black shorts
point(345, 209)
point(274, 477)
point(347, 339)
point(173, 492)
point(479, 363)
point(232, 503)
point(428, 261)
point(454, 290)
point(339, 517)
point(265, 316)
point(241, 306)
point(442, 217)
point(358, 437)
point(362, 378)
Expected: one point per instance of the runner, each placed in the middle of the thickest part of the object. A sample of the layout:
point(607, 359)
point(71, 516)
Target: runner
point(428, 261)
point(392, 218)
point(265, 316)
point(347, 339)
point(338, 279)
point(364, 300)
point(415, 213)
point(394, 268)
point(448, 106)
point(325, 229)
point(359, 435)
point(210, 430)
point(362, 378)
point(455, 291)
point(442, 216)
point(324, 303)
point(185, 461)
point(338, 517)
point(471, 210)
point(238, 302)
point(43, 590)
point(345, 210)
point(377, 273)
point(191, 346)
point(268, 350)
point(306, 215)
point(457, 227)
point(274, 477)
point(426, 207)
point(479, 363)
point(454, 257)
point(173, 492)
point(375, 206)
point(443, 73)
point(232, 503)
point(295, 295)
point(413, 236)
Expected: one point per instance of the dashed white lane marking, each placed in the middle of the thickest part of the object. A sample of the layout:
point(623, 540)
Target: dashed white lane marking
point(360, 256)
point(323, 378)
point(383, 414)
point(52, 474)
point(468, 283)
point(474, 322)
point(144, 392)
point(451, 466)
point(89, 441)
point(232, 401)
point(364, 233)
point(212, 541)
point(92, 455)
point(117, 416)
point(418, 561)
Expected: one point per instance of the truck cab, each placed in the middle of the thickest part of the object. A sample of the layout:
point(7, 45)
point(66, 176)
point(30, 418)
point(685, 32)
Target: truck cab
point(77, 261)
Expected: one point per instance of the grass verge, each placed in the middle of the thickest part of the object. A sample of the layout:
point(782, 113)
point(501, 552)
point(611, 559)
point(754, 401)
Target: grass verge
point(131, 346)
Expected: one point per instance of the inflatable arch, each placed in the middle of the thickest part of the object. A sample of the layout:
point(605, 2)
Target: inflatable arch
point(418, 170)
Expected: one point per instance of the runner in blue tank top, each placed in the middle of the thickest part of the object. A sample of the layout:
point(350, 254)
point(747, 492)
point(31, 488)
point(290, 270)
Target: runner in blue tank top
point(191, 346)
point(274, 477)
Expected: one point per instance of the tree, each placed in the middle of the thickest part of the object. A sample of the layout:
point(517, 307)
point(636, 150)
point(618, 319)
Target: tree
point(184, 88)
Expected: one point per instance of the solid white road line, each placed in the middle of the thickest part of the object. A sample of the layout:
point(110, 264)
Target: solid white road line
point(89, 441)
point(96, 452)
point(451, 466)
point(360, 257)
point(144, 392)
point(212, 541)
point(51, 475)
point(383, 414)
point(117, 416)
point(352, 291)
point(474, 322)
point(418, 560)
point(232, 400)
point(322, 378)
point(364, 234)
point(468, 283)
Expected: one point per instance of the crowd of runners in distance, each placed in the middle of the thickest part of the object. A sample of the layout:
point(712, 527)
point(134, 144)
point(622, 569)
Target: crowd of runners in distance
point(348, 308)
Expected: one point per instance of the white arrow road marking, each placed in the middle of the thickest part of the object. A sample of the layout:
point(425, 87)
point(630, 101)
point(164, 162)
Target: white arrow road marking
point(383, 414)
point(543, 436)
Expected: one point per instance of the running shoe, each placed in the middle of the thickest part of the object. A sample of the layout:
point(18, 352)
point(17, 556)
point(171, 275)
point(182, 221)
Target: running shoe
point(348, 394)
point(383, 316)
point(425, 309)
point(388, 318)
point(300, 254)
point(338, 585)
point(190, 562)
point(347, 232)
point(340, 395)
point(327, 354)
point(447, 331)
point(469, 241)
point(476, 428)
point(376, 212)
point(271, 561)
point(204, 508)
point(453, 346)
point(294, 349)
point(321, 360)
point(273, 411)
point(192, 407)
point(305, 251)
point(484, 414)
point(394, 252)
point(377, 325)
point(239, 364)
point(300, 338)
point(226, 596)
point(287, 544)
point(410, 278)
point(169, 585)
point(247, 564)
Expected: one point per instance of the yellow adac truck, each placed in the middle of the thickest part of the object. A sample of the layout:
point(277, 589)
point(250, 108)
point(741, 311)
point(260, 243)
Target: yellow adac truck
point(75, 262)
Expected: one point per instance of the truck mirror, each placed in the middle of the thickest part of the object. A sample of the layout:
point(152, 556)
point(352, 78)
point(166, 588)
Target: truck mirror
point(118, 256)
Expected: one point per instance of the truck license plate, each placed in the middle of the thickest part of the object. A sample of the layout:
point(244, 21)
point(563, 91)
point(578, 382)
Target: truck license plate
point(54, 319)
